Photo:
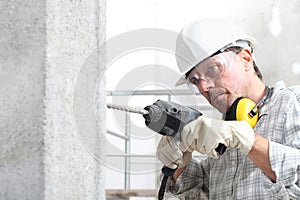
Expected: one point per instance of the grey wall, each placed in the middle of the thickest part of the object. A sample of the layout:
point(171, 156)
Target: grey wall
point(280, 54)
point(46, 49)
point(22, 56)
point(275, 25)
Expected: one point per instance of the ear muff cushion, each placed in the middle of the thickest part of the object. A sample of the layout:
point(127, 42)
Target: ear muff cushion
point(231, 113)
point(243, 109)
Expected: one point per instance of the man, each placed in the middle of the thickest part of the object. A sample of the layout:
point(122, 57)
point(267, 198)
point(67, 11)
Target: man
point(216, 59)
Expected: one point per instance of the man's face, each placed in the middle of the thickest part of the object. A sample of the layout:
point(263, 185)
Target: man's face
point(221, 79)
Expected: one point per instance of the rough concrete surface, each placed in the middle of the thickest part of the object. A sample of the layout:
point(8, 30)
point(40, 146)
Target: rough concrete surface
point(44, 46)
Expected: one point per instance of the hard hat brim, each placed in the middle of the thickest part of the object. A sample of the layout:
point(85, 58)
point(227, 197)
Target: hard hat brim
point(182, 80)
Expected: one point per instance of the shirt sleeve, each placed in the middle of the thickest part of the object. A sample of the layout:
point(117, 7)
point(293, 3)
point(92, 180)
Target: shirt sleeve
point(192, 183)
point(285, 158)
point(285, 162)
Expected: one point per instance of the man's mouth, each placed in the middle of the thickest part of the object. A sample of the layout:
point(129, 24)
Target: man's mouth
point(217, 97)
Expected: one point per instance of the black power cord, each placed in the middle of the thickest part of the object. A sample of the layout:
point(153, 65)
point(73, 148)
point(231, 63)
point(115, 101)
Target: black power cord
point(167, 172)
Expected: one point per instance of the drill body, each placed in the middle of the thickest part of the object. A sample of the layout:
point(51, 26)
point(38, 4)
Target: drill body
point(169, 118)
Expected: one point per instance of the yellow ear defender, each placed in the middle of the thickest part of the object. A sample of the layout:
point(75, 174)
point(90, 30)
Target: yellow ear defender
point(241, 109)
point(245, 109)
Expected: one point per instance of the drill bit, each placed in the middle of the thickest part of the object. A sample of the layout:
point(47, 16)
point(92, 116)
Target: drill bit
point(127, 109)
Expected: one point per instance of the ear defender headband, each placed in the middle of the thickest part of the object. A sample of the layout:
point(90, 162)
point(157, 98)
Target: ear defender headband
point(245, 109)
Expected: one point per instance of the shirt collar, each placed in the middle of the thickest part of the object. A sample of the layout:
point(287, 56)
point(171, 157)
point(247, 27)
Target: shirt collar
point(280, 85)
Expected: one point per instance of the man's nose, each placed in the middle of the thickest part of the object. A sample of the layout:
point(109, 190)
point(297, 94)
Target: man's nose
point(205, 85)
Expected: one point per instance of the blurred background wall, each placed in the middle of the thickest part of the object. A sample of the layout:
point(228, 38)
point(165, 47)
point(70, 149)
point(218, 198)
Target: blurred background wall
point(274, 24)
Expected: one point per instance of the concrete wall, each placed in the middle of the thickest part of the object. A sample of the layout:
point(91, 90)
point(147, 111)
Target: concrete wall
point(47, 48)
point(22, 51)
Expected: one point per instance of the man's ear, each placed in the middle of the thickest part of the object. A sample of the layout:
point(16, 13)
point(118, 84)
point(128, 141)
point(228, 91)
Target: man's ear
point(246, 57)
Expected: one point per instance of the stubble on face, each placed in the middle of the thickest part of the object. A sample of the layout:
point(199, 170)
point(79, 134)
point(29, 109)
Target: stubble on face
point(221, 99)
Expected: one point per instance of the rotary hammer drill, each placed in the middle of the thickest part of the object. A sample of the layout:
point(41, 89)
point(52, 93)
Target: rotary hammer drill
point(168, 119)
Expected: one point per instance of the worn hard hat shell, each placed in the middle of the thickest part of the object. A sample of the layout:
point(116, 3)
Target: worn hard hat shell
point(201, 39)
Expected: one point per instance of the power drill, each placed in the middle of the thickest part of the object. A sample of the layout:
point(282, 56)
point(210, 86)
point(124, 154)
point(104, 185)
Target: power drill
point(168, 119)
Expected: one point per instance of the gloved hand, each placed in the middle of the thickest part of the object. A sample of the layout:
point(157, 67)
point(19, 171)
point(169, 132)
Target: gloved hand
point(204, 135)
point(170, 155)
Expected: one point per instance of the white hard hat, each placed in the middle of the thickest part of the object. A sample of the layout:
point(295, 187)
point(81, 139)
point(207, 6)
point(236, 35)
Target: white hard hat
point(201, 39)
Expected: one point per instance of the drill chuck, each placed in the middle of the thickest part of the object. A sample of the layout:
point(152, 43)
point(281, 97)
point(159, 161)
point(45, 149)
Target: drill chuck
point(169, 118)
point(156, 119)
point(155, 114)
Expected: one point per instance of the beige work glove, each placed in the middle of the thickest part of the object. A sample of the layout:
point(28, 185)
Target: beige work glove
point(205, 134)
point(170, 155)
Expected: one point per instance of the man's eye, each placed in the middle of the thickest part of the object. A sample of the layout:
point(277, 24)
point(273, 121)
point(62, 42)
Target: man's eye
point(195, 80)
point(212, 71)
point(212, 68)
